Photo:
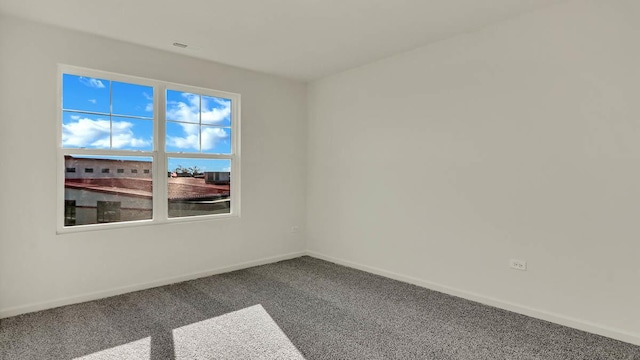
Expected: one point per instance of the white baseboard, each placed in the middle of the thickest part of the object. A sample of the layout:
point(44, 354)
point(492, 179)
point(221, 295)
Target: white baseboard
point(517, 308)
point(633, 338)
point(13, 311)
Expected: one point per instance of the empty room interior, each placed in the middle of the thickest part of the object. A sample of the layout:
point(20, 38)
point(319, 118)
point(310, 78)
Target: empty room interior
point(359, 179)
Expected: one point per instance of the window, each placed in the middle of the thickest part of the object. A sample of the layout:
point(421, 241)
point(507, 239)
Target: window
point(144, 129)
point(198, 141)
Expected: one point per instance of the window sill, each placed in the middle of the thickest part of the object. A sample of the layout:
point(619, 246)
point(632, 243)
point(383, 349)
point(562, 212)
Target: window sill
point(144, 223)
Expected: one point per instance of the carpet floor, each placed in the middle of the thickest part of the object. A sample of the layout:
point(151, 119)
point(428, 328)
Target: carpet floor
point(303, 308)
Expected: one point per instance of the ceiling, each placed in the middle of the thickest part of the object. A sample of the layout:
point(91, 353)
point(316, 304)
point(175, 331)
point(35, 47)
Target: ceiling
point(299, 39)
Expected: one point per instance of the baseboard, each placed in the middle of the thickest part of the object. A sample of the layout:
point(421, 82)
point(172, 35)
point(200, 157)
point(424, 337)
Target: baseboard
point(18, 310)
point(506, 305)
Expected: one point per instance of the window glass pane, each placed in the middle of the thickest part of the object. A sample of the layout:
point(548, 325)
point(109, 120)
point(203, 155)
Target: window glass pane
point(132, 99)
point(98, 196)
point(216, 140)
point(198, 186)
point(182, 137)
point(85, 94)
point(183, 106)
point(80, 130)
point(131, 134)
point(216, 111)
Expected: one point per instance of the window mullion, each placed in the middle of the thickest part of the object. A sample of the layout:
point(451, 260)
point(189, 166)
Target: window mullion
point(110, 114)
point(82, 151)
point(200, 156)
point(160, 183)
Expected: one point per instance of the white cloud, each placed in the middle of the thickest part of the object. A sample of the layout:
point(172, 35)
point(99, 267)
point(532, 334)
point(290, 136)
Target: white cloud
point(190, 140)
point(181, 111)
point(214, 110)
point(149, 106)
point(216, 114)
point(91, 82)
point(95, 133)
point(85, 133)
point(93, 101)
point(211, 136)
point(75, 117)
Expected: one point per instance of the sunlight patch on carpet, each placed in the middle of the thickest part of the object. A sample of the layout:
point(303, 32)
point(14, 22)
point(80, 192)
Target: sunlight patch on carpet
point(249, 333)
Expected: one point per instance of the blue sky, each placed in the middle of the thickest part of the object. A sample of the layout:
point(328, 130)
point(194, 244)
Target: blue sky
point(198, 123)
point(202, 164)
point(122, 118)
point(173, 163)
point(127, 158)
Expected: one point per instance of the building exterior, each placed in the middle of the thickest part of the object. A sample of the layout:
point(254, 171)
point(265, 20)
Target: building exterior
point(217, 177)
point(111, 190)
point(80, 168)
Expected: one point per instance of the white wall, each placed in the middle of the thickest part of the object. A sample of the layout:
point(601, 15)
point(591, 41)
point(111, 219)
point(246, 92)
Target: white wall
point(521, 140)
point(39, 268)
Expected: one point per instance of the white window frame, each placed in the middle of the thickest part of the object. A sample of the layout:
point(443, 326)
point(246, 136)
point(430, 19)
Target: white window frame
point(160, 212)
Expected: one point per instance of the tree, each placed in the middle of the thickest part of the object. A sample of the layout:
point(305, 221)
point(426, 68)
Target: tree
point(181, 170)
point(194, 170)
point(191, 171)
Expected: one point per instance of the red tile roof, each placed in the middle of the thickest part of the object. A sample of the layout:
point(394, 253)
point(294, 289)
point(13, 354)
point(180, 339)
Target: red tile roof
point(179, 188)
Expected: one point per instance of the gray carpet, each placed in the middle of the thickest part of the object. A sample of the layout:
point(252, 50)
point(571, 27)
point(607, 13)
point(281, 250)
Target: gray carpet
point(289, 310)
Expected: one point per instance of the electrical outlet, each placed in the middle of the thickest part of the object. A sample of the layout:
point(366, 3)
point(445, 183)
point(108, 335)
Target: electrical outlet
point(518, 264)
point(295, 229)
